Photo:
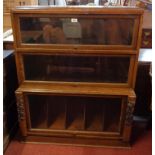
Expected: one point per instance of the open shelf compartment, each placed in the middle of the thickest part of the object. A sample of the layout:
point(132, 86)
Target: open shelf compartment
point(75, 113)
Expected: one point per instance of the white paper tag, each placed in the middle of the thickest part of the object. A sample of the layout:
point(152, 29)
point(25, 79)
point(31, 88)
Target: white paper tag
point(74, 20)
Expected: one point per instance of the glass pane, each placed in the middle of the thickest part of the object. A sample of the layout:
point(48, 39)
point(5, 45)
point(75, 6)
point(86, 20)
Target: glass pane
point(79, 2)
point(75, 113)
point(76, 68)
point(87, 2)
point(76, 30)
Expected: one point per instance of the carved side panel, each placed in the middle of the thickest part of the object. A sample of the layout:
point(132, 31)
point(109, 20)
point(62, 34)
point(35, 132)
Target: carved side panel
point(20, 106)
point(129, 111)
point(21, 113)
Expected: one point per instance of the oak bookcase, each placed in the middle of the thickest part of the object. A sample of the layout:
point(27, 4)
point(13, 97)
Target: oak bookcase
point(76, 69)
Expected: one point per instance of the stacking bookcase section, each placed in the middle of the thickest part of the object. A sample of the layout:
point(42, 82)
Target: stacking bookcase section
point(76, 68)
point(106, 28)
point(92, 69)
point(70, 114)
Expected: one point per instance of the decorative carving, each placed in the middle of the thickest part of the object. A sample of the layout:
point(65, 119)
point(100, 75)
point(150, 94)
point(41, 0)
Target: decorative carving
point(20, 106)
point(129, 111)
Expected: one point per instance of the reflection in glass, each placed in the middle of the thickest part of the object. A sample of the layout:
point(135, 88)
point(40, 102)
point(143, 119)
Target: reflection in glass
point(94, 31)
point(76, 68)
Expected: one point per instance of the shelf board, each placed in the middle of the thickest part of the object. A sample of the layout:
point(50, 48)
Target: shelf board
point(73, 89)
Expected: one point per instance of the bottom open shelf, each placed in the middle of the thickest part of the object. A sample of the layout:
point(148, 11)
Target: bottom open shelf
point(100, 114)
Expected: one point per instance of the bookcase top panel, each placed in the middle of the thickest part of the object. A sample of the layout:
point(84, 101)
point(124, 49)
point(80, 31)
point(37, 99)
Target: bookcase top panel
point(79, 9)
point(77, 27)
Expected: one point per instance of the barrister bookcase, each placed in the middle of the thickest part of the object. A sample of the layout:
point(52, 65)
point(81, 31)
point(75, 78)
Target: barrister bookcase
point(76, 69)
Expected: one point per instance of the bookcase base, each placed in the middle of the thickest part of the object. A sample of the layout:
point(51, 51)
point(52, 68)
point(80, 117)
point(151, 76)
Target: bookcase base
point(89, 142)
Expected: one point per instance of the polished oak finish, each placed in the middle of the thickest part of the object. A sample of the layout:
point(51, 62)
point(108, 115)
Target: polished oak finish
point(76, 69)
